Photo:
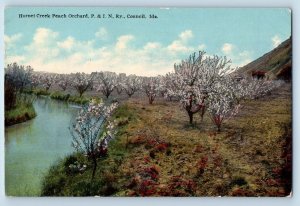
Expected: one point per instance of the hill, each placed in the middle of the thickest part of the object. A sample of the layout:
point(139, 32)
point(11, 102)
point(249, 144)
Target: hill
point(277, 63)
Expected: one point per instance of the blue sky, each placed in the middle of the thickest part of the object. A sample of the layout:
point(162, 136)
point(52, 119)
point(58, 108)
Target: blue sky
point(140, 46)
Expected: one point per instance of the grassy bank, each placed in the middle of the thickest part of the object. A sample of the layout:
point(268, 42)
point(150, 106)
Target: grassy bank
point(21, 113)
point(69, 98)
point(157, 153)
point(37, 92)
point(59, 96)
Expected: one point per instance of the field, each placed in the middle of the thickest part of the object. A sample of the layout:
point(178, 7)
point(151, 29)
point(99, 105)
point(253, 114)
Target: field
point(158, 153)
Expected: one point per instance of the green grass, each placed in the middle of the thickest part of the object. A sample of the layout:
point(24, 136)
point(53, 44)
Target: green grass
point(70, 98)
point(39, 92)
point(60, 96)
point(21, 113)
point(78, 100)
point(36, 91)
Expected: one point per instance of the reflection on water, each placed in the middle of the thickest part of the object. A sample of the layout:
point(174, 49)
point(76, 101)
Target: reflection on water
point(33, 146)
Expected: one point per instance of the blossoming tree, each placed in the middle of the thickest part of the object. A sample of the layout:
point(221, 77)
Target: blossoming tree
point(132, 84)
point(81, 82)
point(92, 130)
point(107, 82)
point(221, 100)
point(47, 80)
point(63, 81)
point(120, 81)
point(193, 78)
point(151, 87)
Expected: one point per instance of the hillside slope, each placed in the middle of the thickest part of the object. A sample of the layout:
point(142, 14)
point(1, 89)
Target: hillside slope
point(277, 63)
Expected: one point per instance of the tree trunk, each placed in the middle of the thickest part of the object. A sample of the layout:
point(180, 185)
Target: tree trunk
point(94, 167)
point(151, 100)
point(219, 127)
point(191, 117)
point(202, 113)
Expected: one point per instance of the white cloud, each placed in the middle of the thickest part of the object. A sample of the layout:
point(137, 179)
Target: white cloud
point(152, 45)
point(227, 48)
point(10, 41)
point(44, 45)
point(67, 44)
point(123, 41)
point(240, 58)
point(201, 47)
point(177, 46)
point(48, 51)
point(180, 45)
point(186, 35)
point(276, 40)
point(44, 36)
point(76, 58)
point(101, 33)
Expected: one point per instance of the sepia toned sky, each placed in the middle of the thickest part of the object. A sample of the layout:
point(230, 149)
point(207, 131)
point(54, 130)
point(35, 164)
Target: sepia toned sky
point(147, 46)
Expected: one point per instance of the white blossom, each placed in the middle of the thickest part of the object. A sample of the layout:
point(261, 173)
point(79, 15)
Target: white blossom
point(107, 82)
point(81, 82)
point(132, 84)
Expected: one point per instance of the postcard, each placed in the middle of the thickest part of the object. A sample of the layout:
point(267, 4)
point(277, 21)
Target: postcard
point(139, 102)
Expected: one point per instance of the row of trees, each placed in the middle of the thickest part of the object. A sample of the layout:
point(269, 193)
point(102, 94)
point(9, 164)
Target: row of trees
point(200, 83)
point(104, 82)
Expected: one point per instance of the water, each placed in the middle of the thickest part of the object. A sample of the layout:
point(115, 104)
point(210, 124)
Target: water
point(33, 146)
